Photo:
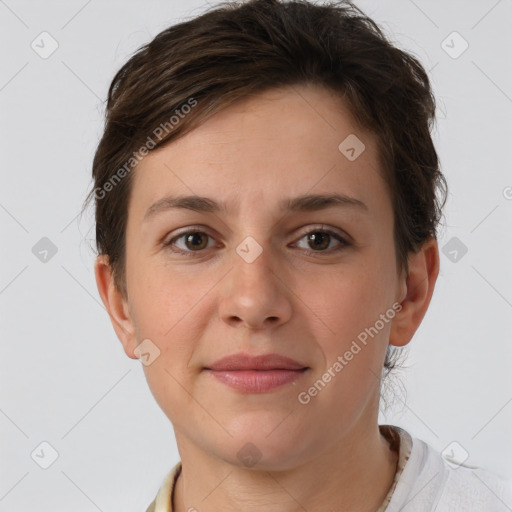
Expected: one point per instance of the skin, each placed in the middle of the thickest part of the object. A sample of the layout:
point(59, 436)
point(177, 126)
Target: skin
point(324, 455)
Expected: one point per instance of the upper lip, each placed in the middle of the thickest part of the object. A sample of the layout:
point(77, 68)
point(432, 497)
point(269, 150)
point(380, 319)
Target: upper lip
point(243, 361)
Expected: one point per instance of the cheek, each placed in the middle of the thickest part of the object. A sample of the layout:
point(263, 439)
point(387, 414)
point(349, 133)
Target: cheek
point(347, 301)
point(168, 388)
point(349, 306)
point(166, 297)
point(169, 312)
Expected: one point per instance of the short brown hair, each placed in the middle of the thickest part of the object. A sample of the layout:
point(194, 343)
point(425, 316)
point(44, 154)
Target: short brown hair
point(240, 48)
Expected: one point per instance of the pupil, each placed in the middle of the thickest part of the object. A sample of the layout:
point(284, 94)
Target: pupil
point(193, 238)
point(319, 237)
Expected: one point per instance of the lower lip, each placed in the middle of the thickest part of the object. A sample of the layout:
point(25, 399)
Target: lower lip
point(256, 381)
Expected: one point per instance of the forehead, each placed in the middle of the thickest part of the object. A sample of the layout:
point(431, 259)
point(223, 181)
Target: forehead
point(280, 143)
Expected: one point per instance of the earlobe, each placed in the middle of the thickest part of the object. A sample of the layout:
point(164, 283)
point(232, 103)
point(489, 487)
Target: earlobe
point(116, 305)
point(420, 282)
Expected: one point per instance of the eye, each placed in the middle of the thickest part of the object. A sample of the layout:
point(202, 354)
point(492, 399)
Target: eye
point(194, 241)
point(321, 239)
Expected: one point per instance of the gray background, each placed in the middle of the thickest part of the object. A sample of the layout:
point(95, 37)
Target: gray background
point(65, 379)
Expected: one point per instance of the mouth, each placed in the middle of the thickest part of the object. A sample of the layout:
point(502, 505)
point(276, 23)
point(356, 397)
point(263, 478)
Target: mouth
point(256, 374)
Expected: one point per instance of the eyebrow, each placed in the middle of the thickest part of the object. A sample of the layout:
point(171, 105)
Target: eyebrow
point(302, 203)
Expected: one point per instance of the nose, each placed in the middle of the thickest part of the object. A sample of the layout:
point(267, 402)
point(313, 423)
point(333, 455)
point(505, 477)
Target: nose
point(255, 294)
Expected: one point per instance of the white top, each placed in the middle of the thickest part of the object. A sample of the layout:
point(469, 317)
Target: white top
point(431, 482)
point(425, 481)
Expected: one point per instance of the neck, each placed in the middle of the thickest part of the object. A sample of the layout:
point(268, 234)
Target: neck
point(355, 473)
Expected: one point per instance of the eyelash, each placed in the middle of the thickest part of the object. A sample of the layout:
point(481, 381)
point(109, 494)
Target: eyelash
point(193, 254)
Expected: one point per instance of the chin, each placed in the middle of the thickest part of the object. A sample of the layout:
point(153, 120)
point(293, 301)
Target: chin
point(263, 442)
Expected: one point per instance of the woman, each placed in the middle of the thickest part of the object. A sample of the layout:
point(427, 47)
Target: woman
point(267, 199)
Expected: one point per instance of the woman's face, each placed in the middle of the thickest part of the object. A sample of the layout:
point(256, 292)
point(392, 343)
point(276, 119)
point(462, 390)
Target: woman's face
point(253, 281)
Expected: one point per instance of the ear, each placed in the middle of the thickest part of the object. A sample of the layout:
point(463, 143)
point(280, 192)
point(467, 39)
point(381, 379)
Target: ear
point(419, 287)
point(116, 305)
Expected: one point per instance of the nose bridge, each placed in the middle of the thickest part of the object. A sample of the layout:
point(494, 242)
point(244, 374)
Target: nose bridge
point(254, 265)
point(254, 291)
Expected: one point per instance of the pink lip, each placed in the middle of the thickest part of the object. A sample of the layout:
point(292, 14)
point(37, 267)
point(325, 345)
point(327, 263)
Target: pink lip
point(256, 374)
point(256, 381)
